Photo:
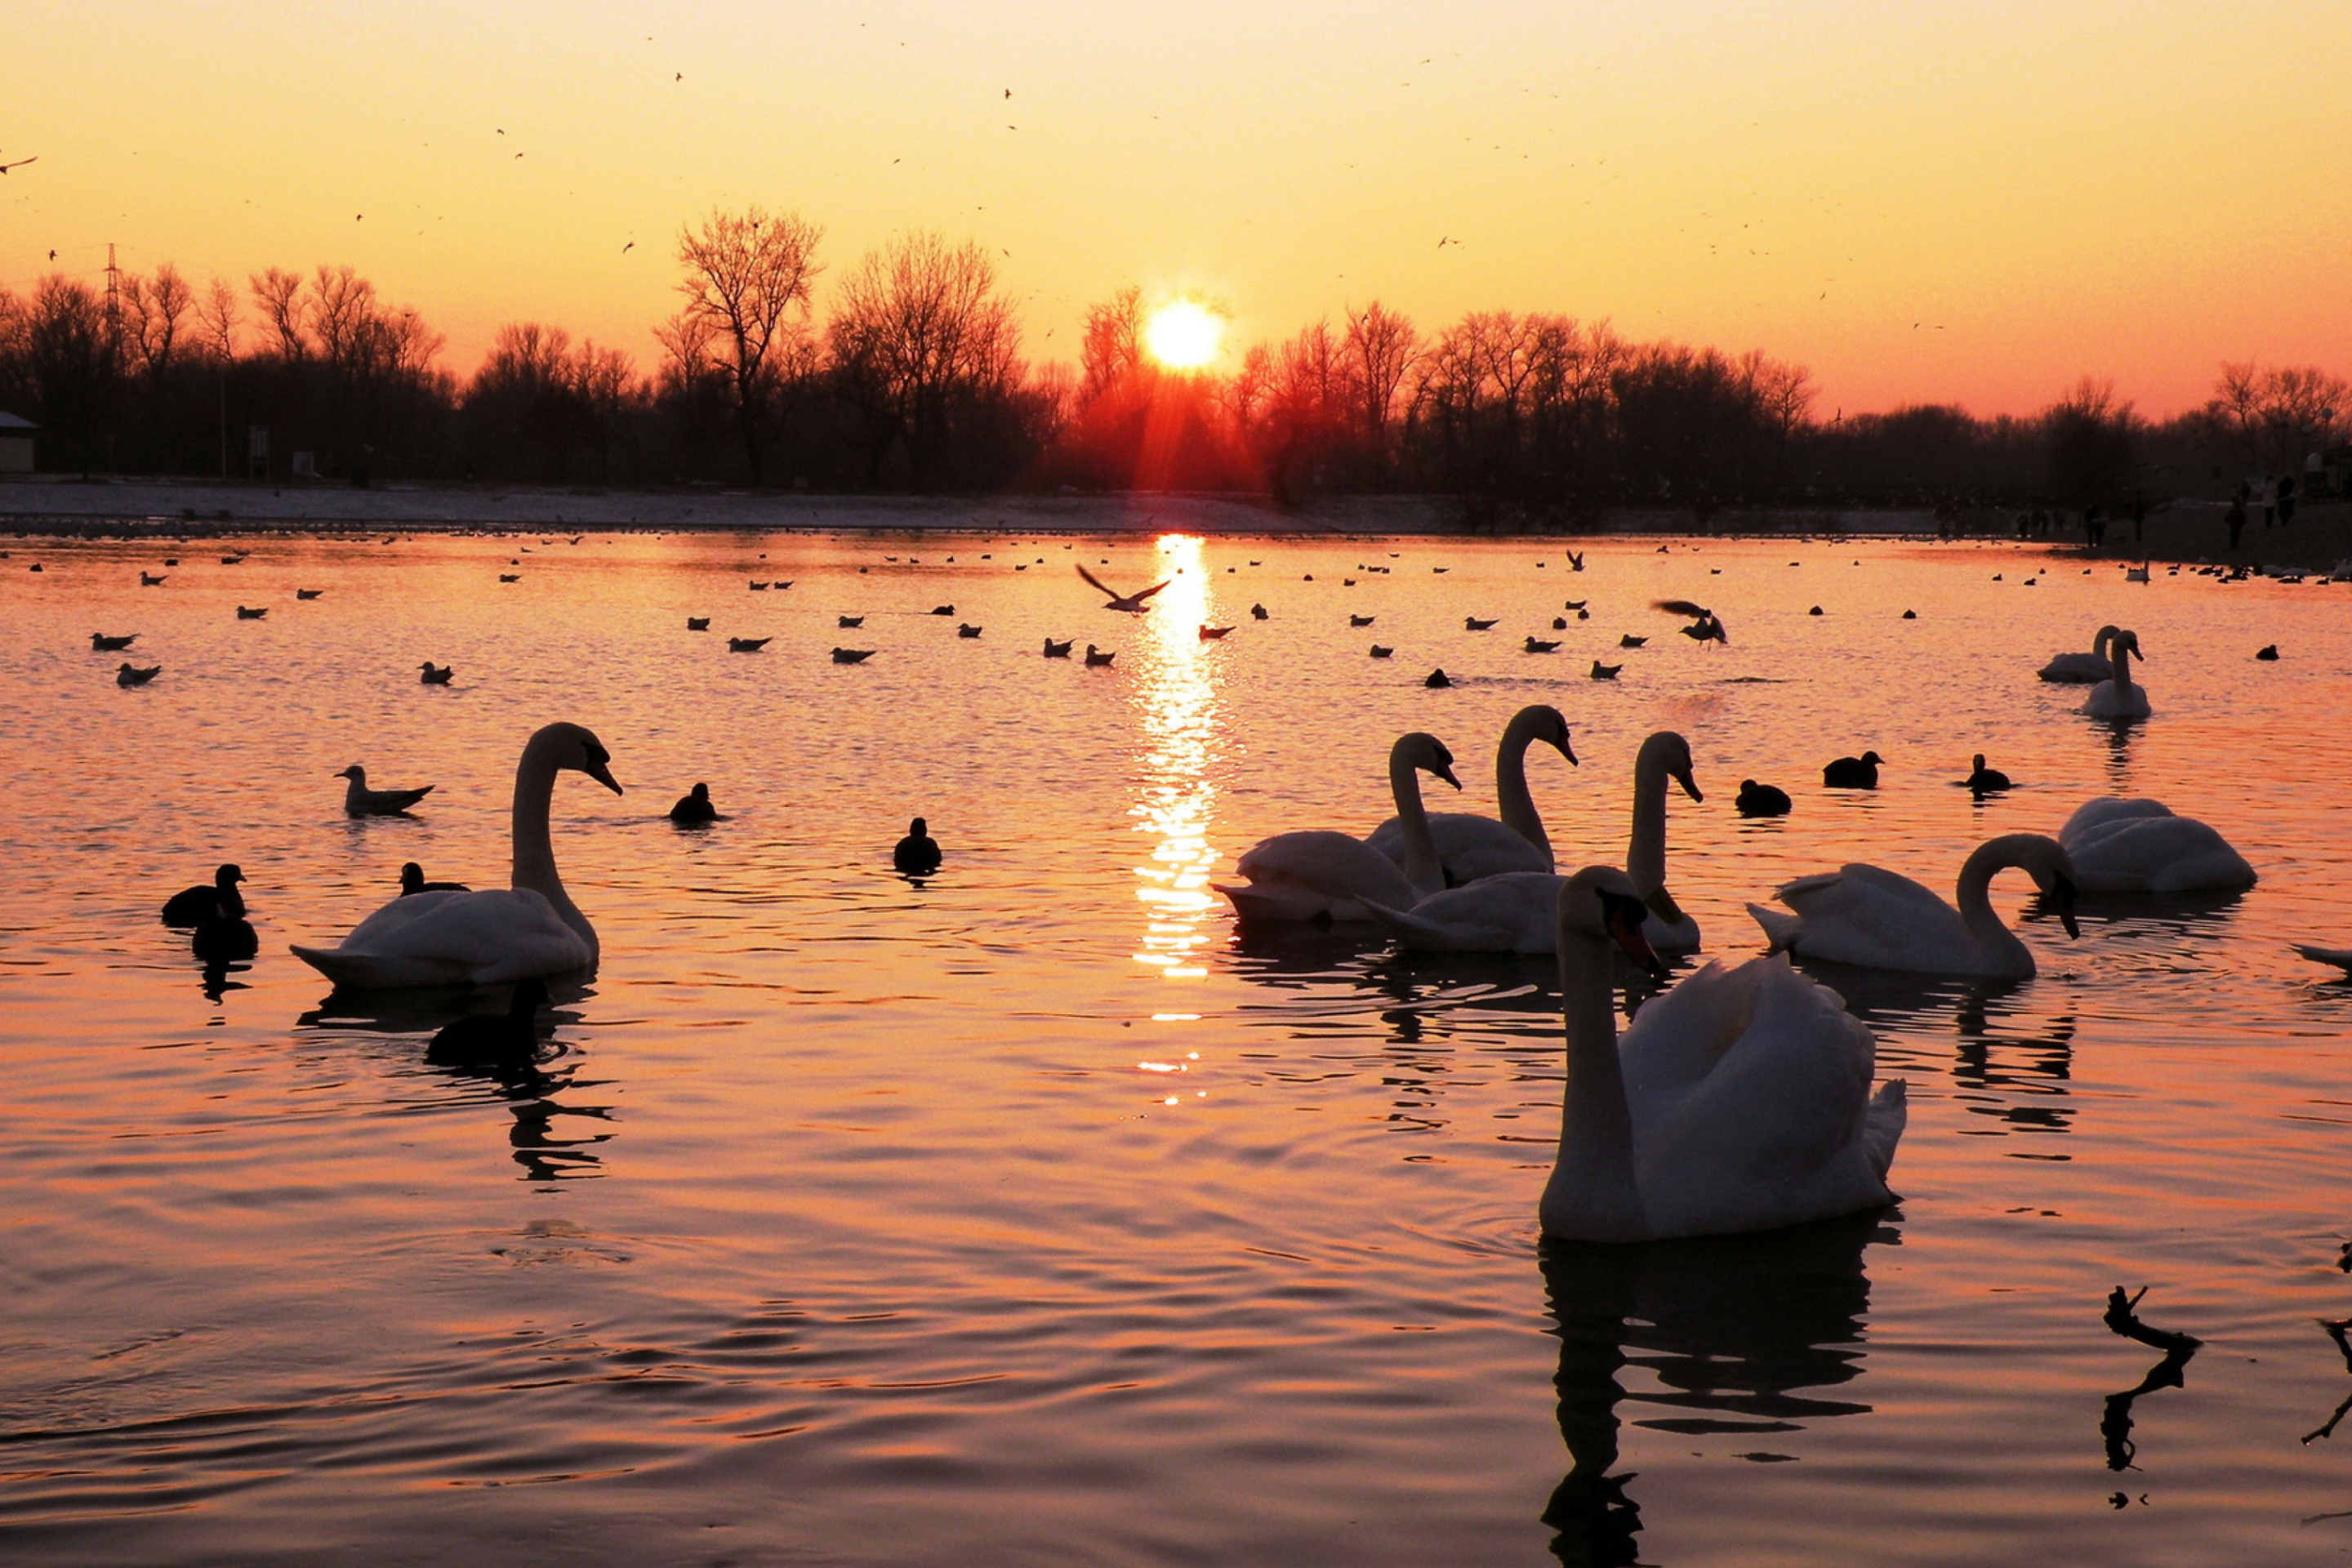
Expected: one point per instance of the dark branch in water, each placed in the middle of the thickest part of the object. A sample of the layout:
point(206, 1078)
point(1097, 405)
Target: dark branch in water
point(2335, 1331)
point(2115, 1419)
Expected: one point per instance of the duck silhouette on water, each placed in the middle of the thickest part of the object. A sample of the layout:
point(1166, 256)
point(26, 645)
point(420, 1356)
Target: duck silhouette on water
point(917, 854)
point(694, 809)
point(1852, 773)
point(412, 882)
point(193, 906)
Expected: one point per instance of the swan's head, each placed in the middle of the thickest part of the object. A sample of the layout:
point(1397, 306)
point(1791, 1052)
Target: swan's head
point(701, 792)
point(1598, 905)
point(2044, 859)
point(1426, 753)
point(1545, 723)
point(573, 747)
point(2127, 644)
point(411, 878)
point(1978, 764)
point(355, 772)
point(1668, 751)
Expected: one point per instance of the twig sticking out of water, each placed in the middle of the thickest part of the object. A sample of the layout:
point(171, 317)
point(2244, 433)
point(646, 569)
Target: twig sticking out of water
point(2335, 1331)
point(2115, 1419)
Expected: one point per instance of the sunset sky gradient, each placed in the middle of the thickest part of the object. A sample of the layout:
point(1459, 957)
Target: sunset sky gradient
point(1975, 202)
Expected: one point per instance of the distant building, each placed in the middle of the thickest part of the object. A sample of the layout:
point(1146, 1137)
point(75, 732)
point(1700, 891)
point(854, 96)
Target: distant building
point(15, 443)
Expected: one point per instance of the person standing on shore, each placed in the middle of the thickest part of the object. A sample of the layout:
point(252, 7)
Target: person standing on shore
point(2286, 492)
point(2236, 518)
point(2139, 518)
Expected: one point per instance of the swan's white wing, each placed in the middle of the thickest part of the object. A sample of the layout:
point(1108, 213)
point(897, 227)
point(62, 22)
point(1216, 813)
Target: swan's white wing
point(1297, 876)
point(1680, 1036)
point(1871, 917)
point(2155, 855)
point(435, 938)
point(1777, 1132)
point(1515, 912)
point(2106, 701)
point(1468, 847)
point(2078, 669)
point(2097, 813)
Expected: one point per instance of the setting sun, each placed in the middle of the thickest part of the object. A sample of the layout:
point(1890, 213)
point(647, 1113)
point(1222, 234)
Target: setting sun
point(1183, 334)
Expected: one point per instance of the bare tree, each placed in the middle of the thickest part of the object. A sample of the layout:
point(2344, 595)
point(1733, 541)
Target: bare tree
point(1382, 348)
point(1112, 349)
point(154, 308)
point(279, 295)
point(216, 314)
point(747, 288)
point(918, 337)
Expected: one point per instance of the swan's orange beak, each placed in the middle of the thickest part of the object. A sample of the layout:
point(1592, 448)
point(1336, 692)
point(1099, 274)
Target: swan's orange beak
point(1623, 917)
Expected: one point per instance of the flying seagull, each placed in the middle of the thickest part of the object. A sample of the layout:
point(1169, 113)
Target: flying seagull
point(1704, 626)
point(1132, 604)
point(19, 164)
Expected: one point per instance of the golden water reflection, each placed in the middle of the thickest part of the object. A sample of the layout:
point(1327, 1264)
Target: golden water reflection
point(1176, 699)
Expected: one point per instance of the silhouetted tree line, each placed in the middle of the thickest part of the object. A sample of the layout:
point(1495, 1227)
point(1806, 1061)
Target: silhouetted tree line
point(915, 379)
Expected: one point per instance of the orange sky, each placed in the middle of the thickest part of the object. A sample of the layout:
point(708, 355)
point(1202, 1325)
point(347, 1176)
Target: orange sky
point(2045, 189)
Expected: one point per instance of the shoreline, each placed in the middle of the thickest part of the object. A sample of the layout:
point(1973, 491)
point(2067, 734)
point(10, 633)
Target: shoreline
point(2185, 531)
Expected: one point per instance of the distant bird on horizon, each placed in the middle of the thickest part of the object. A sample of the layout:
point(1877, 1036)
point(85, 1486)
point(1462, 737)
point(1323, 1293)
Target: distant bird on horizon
point(1532, 646)
point(1472, 624)
point(849, 623)
point(509, 576)
point(1630, 641)
point(1436, 681)
point(1380, 652)
point(1852, 773)
point(852, 655)
point(436, 674)
point(1257, 611)
point(100, 643)
point(1059, 650)
point(628, 248)
point(747, 645)
point(1359, 620)
point(1983, 781)
point(244, 614)
point(1097, 659)
point(361, 800)
point(152, 581)
point(1605, 671)
point(1761, 800)
point(308, 593)
point(131, 675)
point(966, 629)
point(917, 854)
point(1128, 604)
point(1212, 634)
point(2268, 653)
point(697, 623)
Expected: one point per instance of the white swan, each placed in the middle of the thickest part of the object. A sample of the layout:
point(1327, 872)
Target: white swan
point(2140, 847)
point(2116, 697)
point(491, 937)
point(1739, 1100)
point(1876, 919)
point(2082, 669)
point(1469, 845)
point(1327, 876)
point(1518, 911)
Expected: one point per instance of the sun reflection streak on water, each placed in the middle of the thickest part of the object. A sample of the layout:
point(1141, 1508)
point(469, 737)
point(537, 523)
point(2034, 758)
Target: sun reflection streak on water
point(1176, 699)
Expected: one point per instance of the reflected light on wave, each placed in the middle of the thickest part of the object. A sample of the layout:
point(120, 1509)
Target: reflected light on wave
point(1176, 697)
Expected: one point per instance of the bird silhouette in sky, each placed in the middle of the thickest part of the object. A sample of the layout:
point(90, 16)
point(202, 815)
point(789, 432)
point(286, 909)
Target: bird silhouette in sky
point(37, 158)
point(628, 248)
point(1132, 604)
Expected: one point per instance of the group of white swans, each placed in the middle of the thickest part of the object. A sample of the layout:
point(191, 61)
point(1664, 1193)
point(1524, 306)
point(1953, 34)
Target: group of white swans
point(1741, 1100)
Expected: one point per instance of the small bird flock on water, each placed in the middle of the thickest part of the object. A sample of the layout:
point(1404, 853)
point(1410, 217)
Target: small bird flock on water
point(1742, 1098)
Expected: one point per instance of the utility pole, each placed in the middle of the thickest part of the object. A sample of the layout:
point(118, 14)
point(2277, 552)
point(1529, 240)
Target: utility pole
point(113, 335)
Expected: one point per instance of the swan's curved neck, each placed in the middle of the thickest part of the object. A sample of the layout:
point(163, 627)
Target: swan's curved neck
point(534, 850)
point(1511, 796)
point(1645, 852)
point(1974, 896)
point(1421, 868)
point(1592, 1194)
point(2119, 661)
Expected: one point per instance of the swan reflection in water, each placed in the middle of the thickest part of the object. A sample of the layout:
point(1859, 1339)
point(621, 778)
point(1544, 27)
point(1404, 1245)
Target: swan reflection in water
point(551, 1140)
point(1731, 1333)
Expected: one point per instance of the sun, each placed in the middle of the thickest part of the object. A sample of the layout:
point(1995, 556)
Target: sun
point(1183, 334)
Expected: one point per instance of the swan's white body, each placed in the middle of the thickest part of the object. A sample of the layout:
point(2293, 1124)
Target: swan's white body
point(2082, 669)
point(2140, 847)
point(1469, 845)
point(491, 937)
point(2117, 697)
point(1739, 1100)
point(1519, 912)
point(1319, 875)
point(1875, 919)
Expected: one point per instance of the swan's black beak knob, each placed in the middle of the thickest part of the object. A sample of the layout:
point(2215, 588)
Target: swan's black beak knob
point(2061, 899)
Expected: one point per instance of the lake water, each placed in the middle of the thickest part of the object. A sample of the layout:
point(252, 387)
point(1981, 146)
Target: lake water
point(1027, 1216)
